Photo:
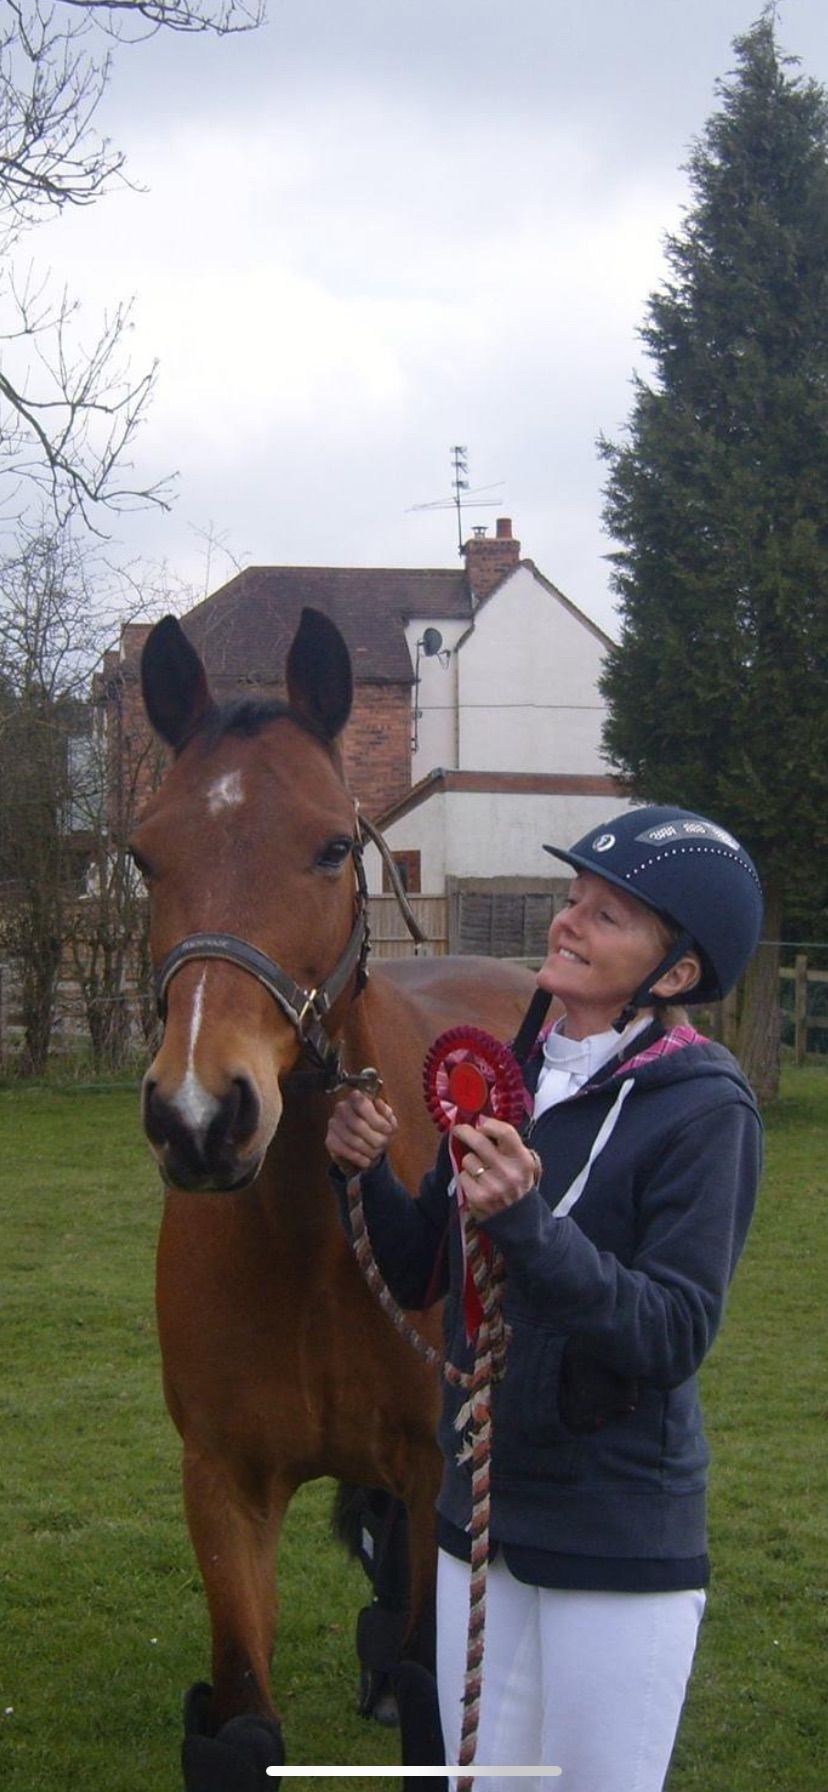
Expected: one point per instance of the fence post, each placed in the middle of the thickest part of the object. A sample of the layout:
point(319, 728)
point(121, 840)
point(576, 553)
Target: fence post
point(730, 1018)
point(800, 1007)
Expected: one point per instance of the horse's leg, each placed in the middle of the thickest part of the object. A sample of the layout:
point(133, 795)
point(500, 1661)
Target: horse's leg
point(233, 1736)
point(420, 1499)
point(415, 1680)
point(235, 1533)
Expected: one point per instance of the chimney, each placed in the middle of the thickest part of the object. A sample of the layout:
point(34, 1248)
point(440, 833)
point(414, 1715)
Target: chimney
point(489, 560)
point(133, 638)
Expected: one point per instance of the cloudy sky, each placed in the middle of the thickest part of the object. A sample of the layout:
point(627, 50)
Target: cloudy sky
point(377, 228)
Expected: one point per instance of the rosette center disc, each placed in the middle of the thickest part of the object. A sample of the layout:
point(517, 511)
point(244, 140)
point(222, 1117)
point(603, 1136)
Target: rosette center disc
point(468, 1088)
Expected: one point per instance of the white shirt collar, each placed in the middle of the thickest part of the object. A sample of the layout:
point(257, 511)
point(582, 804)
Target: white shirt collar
point(569, 1063)
point(589, 1055)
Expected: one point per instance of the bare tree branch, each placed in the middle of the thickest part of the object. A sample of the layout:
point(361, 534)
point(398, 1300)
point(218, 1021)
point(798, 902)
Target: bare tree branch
point(74, 772)
point(53, 76)
point(50, 90)
point(69, 415)
point(224, 17)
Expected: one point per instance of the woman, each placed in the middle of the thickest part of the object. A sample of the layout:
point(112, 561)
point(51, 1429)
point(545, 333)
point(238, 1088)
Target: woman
point(619, 1218)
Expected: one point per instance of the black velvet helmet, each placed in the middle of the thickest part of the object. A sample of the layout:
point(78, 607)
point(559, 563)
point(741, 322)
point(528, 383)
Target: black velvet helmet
point(690, 871)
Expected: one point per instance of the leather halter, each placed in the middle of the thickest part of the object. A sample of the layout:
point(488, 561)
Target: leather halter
point(304, 1008)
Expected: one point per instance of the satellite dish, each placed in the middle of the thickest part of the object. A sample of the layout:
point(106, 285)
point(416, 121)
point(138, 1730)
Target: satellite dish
point(430, 645)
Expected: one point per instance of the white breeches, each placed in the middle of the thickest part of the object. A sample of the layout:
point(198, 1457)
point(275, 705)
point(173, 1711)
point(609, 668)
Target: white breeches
point(592, 1683)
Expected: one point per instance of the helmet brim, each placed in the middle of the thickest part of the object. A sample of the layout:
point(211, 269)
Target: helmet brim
point(581, 864)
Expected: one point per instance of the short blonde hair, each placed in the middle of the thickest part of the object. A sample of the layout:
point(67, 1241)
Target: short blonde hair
point(672, 1014)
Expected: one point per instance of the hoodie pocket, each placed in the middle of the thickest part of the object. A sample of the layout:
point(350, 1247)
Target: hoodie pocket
point(590, 1395)
point(530, 1437)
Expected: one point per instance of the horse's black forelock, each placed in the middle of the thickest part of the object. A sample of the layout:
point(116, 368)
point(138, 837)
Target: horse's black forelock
point(248, 716)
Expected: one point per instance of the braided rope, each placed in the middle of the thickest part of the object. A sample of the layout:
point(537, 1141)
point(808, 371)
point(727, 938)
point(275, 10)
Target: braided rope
point(476, 1413)
point(378, 1286)
point(489, 1367)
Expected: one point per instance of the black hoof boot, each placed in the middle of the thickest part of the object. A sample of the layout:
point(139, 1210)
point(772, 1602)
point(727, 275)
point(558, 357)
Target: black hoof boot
point(236, 1758)
point(380, 1633)
point(376, 1698)
point(421, 1737)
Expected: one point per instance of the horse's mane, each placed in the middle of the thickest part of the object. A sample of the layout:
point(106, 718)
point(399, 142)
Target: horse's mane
point(247, 716)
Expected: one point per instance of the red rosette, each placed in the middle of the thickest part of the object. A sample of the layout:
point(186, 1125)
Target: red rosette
point(467, 1074)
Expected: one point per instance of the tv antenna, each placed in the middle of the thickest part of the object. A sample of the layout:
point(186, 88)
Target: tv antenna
point(460, 484)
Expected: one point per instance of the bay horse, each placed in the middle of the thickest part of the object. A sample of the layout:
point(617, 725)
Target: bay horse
point(278, 1364)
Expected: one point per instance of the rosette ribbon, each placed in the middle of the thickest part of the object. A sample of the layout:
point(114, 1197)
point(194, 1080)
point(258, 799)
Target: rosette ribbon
point(467, 1076)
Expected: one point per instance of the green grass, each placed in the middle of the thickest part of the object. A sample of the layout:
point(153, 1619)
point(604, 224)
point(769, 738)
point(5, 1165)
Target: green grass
point(102, 1621)
point(756, 1714)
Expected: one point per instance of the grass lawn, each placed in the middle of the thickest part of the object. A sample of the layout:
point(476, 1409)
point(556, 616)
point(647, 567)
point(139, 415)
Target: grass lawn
point(102, 1621)
point(757, 1713)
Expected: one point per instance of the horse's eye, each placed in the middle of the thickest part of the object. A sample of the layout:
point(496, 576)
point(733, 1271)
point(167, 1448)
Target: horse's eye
point(334, 854)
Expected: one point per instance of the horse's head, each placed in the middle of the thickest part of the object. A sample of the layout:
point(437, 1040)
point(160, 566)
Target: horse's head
point(247, 850)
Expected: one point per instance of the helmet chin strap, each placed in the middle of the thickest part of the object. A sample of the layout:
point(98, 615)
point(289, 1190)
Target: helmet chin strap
point(643, 994)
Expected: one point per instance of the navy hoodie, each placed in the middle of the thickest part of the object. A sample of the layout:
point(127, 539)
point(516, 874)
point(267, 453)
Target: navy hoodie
point(599, 1458)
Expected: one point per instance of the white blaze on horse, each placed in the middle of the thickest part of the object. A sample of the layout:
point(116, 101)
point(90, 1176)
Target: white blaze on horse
point(278, 1365)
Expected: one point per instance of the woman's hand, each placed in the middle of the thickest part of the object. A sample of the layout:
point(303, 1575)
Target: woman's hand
point(359, 1131)
point(498, 1169)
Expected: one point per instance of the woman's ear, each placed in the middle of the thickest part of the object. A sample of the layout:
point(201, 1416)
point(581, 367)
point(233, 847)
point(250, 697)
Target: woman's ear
point(681, 977)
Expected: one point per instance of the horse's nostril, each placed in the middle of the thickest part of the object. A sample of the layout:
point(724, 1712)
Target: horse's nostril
point(153, 1118)
point(248, 1108)
point(237, 1118)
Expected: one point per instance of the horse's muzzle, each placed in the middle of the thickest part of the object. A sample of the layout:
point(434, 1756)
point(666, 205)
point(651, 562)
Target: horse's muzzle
point(213, 1153)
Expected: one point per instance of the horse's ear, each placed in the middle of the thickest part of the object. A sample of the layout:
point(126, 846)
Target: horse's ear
point(318, 673)
point(174, 683)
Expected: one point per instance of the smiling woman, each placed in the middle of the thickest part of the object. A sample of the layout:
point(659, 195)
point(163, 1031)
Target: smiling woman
point(602, 945)
point(613, 1223)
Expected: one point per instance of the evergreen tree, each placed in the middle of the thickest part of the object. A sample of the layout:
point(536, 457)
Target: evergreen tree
point(719, 497)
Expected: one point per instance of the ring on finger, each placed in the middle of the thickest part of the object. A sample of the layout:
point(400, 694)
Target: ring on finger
point(480, 1172)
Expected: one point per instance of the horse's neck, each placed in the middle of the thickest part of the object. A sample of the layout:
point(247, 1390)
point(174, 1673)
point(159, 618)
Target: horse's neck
point(294, 1180)
point(360, 1044)
point(380, 1030)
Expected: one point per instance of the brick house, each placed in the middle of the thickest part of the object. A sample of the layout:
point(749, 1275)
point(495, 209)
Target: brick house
point(475, 732)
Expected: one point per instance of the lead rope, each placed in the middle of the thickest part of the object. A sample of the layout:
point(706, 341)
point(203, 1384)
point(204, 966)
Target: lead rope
point(489, 1368)
point(378, 1286)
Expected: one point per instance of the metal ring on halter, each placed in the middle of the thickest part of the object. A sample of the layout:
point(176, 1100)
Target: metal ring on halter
point(308, 1007)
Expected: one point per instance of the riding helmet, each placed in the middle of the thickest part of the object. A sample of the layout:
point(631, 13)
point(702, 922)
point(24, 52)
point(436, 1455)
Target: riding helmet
point(693, 873)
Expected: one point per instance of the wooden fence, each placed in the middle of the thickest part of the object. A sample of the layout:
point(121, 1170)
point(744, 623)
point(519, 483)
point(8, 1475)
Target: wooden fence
point(806, 981)
point(390, 937)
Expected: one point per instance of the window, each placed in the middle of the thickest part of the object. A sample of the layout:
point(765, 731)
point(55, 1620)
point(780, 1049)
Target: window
point(408, 869)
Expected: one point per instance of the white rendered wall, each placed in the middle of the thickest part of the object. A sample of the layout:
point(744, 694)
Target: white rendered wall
point(528, 697)
point(470, 834)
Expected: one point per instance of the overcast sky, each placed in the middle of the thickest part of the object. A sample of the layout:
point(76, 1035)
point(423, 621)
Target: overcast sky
point(377, 228)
